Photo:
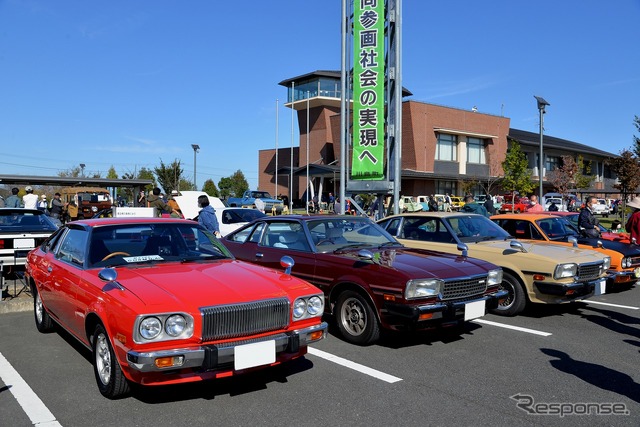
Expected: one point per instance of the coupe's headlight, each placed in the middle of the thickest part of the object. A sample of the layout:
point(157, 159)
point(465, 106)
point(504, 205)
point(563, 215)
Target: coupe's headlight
point(299, 308)
point(175, 325)
point(150, 328)
point(565, 270)
point(315, 305)
point(423, 288)
point(495, 277)
point(607, 263)
point(625, 262)
point(94, 209)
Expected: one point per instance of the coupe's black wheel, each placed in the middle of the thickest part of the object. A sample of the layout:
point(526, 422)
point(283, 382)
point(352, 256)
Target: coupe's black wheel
point(111, 381)
point(43, 320)
point(356, 319)
point(516, 300)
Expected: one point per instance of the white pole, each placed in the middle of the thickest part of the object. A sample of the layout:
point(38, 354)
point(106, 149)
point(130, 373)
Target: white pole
point(308, 186)
point(293, 103)
point(275, 195)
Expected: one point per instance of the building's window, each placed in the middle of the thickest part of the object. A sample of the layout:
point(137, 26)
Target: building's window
point(552, 162)
point(444, 187)
point(476, 151)
point(447, 147)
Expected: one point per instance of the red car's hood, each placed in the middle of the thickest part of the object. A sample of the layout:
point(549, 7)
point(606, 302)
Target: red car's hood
point(194, 285)
point(419, 263)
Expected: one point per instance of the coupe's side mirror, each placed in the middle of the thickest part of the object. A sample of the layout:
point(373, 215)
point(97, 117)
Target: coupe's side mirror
point(287, 262)
point(516, 245)
point(574, 241)
point(462, 247)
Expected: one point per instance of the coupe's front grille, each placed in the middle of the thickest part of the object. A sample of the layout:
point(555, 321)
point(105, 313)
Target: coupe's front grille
point(589, 271)
point(239, 320)
point(470, 286)
point(635, 261)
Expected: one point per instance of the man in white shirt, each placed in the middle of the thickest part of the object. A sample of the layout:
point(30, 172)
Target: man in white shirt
point(30, 200)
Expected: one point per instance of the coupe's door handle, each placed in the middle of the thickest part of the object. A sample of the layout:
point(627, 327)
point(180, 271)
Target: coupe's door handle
point(259, 255)
point(49, 268)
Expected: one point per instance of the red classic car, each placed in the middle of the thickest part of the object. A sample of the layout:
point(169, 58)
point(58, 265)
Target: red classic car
point(370, 280)
point(161, 301)
point(516, 205)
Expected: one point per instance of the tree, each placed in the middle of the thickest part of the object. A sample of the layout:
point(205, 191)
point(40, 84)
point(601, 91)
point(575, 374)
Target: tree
point(467, 186)
point(112, 174)
point(169, 175)
point(517, 177)
point(583, 180)
point(210, 188)
point(186, 185)
point(636, 140)
point(72, 172)
point(564, 177)
point(233, 186)
point(627, 169)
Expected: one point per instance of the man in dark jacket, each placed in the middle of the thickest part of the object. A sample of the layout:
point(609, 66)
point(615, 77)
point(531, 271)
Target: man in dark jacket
point(471, 206)
point(155, 201)
point(587, 220)
point(488, 205)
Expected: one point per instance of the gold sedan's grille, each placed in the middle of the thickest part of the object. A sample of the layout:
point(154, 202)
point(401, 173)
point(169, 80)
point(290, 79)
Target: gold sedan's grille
point(590, 271)
point(239, 320)
point(464, 288)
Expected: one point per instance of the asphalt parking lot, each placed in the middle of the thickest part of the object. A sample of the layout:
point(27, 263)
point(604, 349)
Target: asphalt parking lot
point(554, 365)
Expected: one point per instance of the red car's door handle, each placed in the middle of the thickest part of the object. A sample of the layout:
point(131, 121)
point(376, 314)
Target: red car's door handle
point(259, 255)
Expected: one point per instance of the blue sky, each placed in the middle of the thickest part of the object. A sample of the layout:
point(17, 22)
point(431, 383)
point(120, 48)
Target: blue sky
point(129, 83)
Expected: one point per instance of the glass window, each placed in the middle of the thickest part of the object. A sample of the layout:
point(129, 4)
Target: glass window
point(552, 162)
point(476, 151)
point(447, 147)
point(73, 246)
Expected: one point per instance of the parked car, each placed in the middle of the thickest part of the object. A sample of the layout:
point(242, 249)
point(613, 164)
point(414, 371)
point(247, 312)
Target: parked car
point(160, 301)
point(553, 200)
point(517, 204)
point(605, 234)
point(601, 208)
point(409, 204)
point(625, 259)
point(369, 279)
point(20, 231)
point(533, 272)
point(457, 202)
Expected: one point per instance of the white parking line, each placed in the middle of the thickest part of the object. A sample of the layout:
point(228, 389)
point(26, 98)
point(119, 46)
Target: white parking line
point(515, 328)
point(613, 305)
point(30, 402)
point(353, 365)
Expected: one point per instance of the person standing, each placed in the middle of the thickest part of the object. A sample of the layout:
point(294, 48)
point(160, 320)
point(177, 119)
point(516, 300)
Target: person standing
point(207, 216)
point(56, 206)
point(142, 199)
point(633, 223)
point(534, 206)
point(172, 202)
point(13, 201)
point(447, 202)
point(72, 210)
point(332, 201)
point(156, 201)
point(587, 220)
point(43, 205)
point(471, 206)
point(489, 206)
point(30, 200)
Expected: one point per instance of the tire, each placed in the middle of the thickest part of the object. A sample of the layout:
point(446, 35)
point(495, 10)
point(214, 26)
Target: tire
point(44, 323)
point(109, 377)
point(516, 301)
point(356, 319)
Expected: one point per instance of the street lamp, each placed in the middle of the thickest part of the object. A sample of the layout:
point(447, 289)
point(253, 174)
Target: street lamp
point(82, 165)
point(541, 104)
point(196, 148)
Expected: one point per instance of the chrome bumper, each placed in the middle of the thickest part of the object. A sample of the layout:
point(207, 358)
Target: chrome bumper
point(201, 356)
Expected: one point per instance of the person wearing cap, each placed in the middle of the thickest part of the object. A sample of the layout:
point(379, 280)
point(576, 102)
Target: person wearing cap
point(633, 223)
point(43, 205)
point(30, 200)
point(13, 201)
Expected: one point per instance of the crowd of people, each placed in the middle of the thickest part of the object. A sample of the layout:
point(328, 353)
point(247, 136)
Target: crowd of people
point(55, 209)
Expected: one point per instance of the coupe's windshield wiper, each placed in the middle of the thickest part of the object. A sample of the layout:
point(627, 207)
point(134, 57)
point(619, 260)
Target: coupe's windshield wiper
point(351, 246)
point(202, 257)
point(385, 244)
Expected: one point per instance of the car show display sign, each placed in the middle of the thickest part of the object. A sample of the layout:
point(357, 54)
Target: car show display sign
point(368, 90)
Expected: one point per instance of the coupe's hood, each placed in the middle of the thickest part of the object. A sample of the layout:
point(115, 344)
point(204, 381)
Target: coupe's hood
point(194, 285)
point(624, 248)
point(419, 263)
point(559, 253)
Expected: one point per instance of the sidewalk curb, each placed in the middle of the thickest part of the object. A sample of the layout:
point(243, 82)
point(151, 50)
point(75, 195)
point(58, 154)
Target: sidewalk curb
point(17, 305)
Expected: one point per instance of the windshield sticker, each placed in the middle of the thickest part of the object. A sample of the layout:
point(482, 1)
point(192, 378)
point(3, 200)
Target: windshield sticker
point(143, 258)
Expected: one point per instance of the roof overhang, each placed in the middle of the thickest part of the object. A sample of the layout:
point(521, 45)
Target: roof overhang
point(465, 133)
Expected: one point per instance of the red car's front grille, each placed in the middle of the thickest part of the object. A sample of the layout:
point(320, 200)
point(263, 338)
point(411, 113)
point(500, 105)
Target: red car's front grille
point(239, 320)
point(464, 288)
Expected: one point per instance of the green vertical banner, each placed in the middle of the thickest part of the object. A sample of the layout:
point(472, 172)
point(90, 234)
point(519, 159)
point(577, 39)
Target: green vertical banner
point(368, 90)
